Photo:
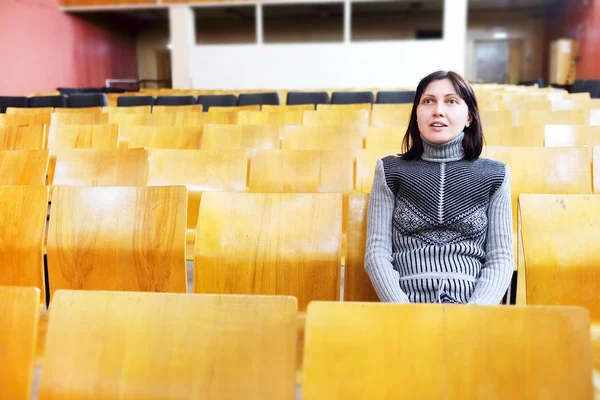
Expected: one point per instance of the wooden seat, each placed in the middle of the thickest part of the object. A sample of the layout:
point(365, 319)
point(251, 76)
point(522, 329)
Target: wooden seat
point(99, 167)
point(518, 136)
point(200, 171)
point(385, 137)
point(175, 109)
point(544, 170)
point(24, 119)
point(38, 110)
point(255, 243)
point(135, 110)
point(94, 136)
point(571, 135)
point(344, 107)
point(560, 258)
point(357, 284)
point(19, 313)
point(83, 110)
point(270, 117)
point(22, 137)
point(389, 351)
point(391, 115)
point(164, 137)
point(109, 345)
point(219, 109)
point(185, 119)
point(496, 118)
point(336, 117)
point(332, 137)
point(23, 221)
point(282, 108)
point(240, 137)
point(23, 167)
point(536, 117)
point(141, 119)
point(596, 168)
point(365, 167)
point(117, 238)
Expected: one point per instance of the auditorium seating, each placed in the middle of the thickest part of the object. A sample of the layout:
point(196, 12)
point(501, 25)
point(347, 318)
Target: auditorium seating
point(314, 98)
point(560, 258)
point(336, 117)
point(117, 238)
point(596, 169)
point(352, 97)
point(248, 99)
point(200, 171)
point(396, 97)
point(24, 119)
point(391, 115)
point(12, 101)
point(292, 107)
point(82, 110)
point(270, 117)
point(22, 137)
point(23, 221)
point(385, 137)
point(23, 167)
point(101, 167)
point(387, 351)
point(357, 285)
point(144, 110)
point(174, 100)
point(571, 135)
point(165, 137)
point(109, 345)
point(19, 313)
point(267, 243)
point(47, 101)
point(185, 119)
point(345, 107)
point(332, 137)
point(166, 108)
point(220, 100)
point(87, 100)
point(252, 137)
point(135, 101)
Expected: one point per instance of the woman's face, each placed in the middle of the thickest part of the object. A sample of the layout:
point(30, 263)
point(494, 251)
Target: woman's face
point(441, 114)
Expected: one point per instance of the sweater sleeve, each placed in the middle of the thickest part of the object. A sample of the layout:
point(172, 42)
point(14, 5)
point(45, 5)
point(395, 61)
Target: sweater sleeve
point(497, 270)
point(378, 253)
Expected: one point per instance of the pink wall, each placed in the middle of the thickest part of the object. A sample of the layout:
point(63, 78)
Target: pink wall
point(578, 19)
point(43, 48)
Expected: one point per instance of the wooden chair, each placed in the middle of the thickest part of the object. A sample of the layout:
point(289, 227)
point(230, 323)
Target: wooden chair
point(336, 117)
point(109, 345)
point(361, 351)
point(24, 119)
point(200, 171)
point(163, 137)
point(385, 137)
point(517, 136)
point(270, 117)
point(544, 170)
point(535, 117)
point(571, 135)
point(240, 137)
point(83, 110)
point(23, 167)
point(19, 313)
point(285, 108)
point(268, 243)
point(344, 107)
point(22, 137)
point(185, 119)
point(117, 238)
point(24, 211)
point(175, 109)
point(332, 137)
point(357, 284)
point(217, 109)
point(94, 136)
point(136, 110)
point(559, 260)
point(141, 119)
point(47, 111)
point(596, 169)
point(365, 167)
point(495, 118)
point(99, 167)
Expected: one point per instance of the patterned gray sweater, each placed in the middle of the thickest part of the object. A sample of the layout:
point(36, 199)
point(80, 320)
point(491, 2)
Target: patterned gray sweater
point(439, 229)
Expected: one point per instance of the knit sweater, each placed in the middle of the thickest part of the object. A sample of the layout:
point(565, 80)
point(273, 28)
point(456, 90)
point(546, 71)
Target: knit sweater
point(439, 229)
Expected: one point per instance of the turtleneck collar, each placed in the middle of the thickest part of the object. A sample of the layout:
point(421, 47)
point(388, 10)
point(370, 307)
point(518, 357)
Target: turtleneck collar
point(443, 152)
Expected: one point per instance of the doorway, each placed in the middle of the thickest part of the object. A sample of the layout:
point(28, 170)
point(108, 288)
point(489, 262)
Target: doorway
point(163, 68)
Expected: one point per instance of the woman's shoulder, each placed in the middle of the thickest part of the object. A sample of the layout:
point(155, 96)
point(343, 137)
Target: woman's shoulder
point(492, 166)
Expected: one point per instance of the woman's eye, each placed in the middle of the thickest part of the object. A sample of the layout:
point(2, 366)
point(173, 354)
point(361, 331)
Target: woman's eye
point(452, 101)
point(427, 101)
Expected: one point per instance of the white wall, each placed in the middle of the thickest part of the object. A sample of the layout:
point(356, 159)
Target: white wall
point(331, 65)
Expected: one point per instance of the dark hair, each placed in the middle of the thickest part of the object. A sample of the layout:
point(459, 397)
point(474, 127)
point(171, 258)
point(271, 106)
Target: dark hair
point(473, 141)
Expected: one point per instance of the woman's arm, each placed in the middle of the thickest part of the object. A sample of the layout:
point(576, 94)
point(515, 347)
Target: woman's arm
point(378, 254)
point(499, 263)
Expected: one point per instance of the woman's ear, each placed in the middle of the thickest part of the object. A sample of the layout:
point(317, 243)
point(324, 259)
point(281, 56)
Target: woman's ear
point(469, 120)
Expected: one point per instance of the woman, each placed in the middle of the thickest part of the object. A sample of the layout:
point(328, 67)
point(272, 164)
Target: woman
point(440, 220)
